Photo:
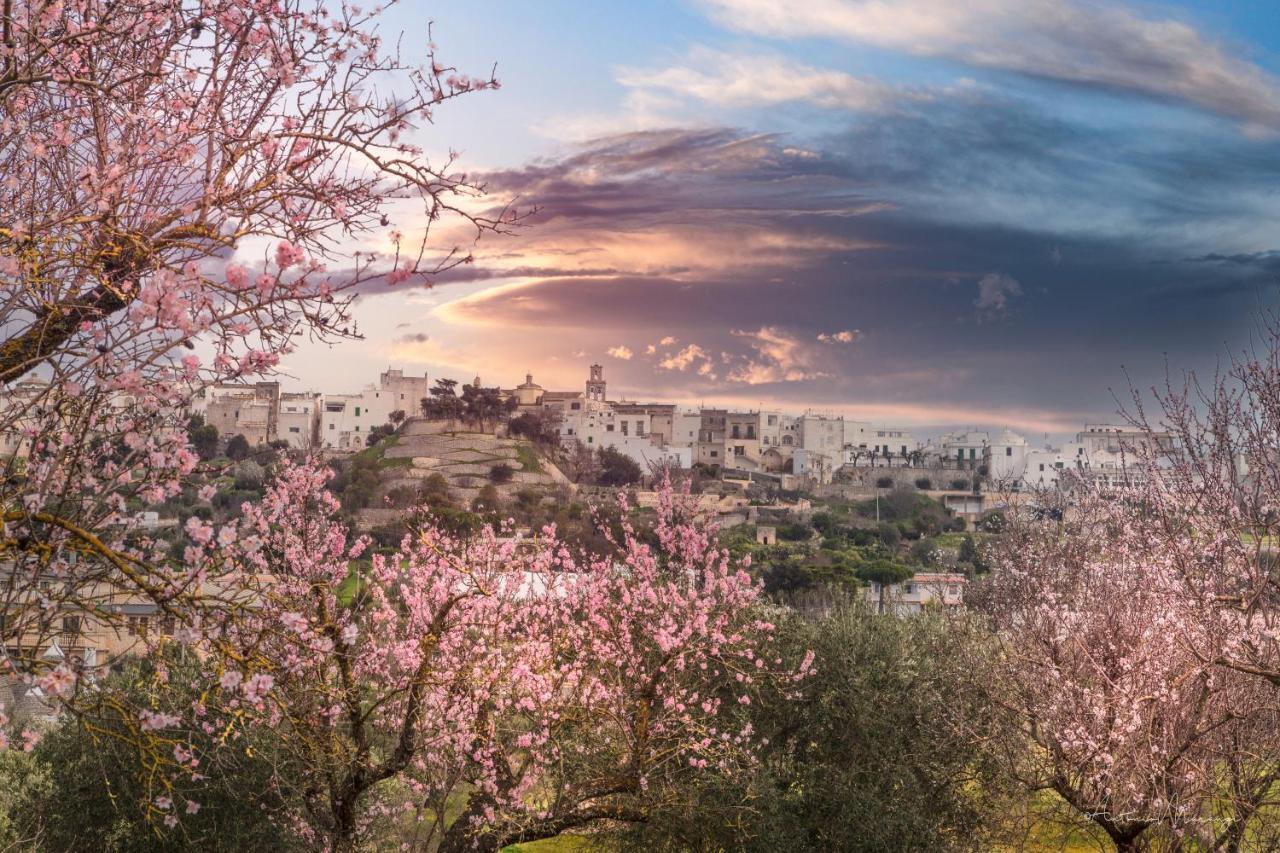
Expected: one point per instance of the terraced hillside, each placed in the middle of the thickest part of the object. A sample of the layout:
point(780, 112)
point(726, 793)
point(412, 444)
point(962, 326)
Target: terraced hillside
point(464, 459)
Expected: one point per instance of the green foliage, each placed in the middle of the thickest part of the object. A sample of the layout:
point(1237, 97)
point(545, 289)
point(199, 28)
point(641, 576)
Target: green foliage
point(238, 448)
point(26, 783)
point(971, 554)
point(528, 459)
point(883, 571)
point(884, 482)
point(924, 552)
point(501, 473)
point(794, 532)
point(203, 438)
point(924, 484)
point(886, 750)
point(378, 433)
point(249, 476)
point(96, 782)
point(825, 523)
point(485, 406)
point(617, 469)
point(992, 522)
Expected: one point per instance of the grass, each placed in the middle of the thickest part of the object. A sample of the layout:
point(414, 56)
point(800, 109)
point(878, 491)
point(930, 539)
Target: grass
point(528, 459)
point(562, 844)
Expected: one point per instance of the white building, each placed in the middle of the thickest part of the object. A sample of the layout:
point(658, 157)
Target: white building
point(964, 449)
point(347, 419)
point(298, 419)
point(597, 424)
point(925, 589)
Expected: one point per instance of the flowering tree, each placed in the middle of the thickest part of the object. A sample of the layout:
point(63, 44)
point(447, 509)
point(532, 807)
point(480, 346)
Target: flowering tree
point(1144, 632)
point(1115, 708)
point(541, 689)
point(143, 144)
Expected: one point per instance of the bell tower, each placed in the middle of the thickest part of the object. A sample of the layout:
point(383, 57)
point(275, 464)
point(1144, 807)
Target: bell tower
point(595, 385)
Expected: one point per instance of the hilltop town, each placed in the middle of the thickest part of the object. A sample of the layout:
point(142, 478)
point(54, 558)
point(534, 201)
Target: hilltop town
point(808, 449)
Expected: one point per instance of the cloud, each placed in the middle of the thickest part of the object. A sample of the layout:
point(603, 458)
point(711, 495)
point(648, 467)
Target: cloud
point(1107, 47)
point(621, 352)
point(995, 292)
point(747, 80)
point(847, 336)
point(685, 236)
point(778, 355)
point(684, 359)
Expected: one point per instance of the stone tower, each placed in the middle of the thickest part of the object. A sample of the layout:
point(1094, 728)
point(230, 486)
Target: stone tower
point(595, 385)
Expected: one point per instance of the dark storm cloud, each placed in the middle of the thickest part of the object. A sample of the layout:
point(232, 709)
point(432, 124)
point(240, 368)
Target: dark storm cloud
point(986, 252)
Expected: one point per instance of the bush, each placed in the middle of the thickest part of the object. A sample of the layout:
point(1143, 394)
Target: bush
point(378, 433)
point(488, 500)
point(794, 532)
point(992, 522)
point(203, 438)
point(960, 485)
point(98, 780)
point(888, 534)
point(924, 484)
point(925, 552)
point(528, 499)
point(403, 497)
point(238, 448)
point(867, 762)
point(249, 475)
point(618, 469)
point(501, 473)
point(824, 523)
point(884, 483)
point(434, 489)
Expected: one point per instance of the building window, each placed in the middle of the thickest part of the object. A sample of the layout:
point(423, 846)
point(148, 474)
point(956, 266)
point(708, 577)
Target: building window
point(357, 411)
point(137, 626)
point(590, 439)
point(714, 454)
point(1008, 451)
point(71, 624)
point(331, 426)
point(609, 428)
point(167, 624)
point(295, 429)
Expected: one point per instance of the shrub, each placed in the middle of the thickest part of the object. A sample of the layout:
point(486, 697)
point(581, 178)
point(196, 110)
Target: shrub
point(925, 552)
point(618, 469)
point(959, 484)
point(238, 448)
point(488, 500)
point(924, 484)
point(888, 534)
point(884, 483)
point(794, 532)
point(501, 473)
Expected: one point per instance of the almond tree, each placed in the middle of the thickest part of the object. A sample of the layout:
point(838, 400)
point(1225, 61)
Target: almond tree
point(541, 689)
point(176, 180)
point(1114, 673)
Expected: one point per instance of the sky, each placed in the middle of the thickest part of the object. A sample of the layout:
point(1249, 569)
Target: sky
point(923, 213)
